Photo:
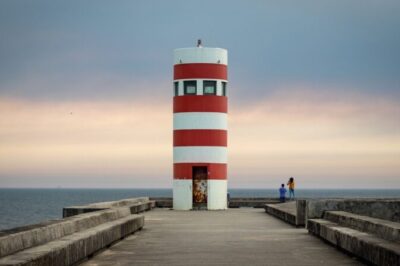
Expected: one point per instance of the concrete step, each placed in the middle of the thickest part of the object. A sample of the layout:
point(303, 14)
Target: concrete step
point(17, 239)
point(283, 211)
point(76, 247)
point(385, 229)
point(136, 204)
point(364, 245)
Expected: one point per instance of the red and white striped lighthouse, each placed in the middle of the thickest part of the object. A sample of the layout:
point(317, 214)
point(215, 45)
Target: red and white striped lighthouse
point(200, 128)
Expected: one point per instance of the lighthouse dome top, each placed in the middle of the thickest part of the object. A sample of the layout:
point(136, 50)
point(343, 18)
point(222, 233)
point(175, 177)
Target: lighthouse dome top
point(201, 55)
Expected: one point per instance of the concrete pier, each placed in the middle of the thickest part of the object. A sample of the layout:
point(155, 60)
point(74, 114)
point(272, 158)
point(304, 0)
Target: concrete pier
point(245, 236)
point(368, 229)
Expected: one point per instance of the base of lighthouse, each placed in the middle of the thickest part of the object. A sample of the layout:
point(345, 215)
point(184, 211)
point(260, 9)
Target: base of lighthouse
point(184, 194)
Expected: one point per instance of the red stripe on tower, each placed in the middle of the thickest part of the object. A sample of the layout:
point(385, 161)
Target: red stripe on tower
point(200, 137)
point(200, 103)
point(217, 171)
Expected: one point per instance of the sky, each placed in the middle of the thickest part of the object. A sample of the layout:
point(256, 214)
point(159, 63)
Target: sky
point(86, 91)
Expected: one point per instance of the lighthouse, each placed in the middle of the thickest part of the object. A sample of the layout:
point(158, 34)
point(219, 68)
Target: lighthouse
point(200, 132)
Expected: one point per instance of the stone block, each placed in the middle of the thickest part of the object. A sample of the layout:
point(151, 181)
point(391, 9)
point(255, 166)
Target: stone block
point(71, 249)
point(366, 246)
point(382, 228)
point(283, 211)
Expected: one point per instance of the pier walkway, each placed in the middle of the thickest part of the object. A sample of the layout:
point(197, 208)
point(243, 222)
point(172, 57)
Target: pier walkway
point(244, 236)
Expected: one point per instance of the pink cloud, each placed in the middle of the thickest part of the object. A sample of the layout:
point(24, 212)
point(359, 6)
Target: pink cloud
point(303, 134)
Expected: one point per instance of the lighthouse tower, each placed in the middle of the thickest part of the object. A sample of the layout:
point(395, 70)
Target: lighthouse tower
point(200, 128)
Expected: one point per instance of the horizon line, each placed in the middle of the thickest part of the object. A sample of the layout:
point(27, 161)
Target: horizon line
point(247, 188)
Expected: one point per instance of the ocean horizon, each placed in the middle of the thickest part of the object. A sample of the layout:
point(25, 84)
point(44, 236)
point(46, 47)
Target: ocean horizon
point(23, 206)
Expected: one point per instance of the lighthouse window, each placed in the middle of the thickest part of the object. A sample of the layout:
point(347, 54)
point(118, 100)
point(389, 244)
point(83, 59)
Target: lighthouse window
point(210, 87)
point(223, 88)
point(176, 88)
point(190, 87)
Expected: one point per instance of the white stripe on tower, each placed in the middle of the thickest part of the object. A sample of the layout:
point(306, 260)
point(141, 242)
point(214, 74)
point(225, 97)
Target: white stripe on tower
point(203, 55)
point(217, 189)
point(200, 120)
point(200, 154)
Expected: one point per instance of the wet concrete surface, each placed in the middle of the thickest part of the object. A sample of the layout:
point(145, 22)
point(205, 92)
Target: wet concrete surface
point(244, 236)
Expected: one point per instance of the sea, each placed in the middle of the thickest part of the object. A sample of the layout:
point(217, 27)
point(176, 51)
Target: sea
point(19, 207)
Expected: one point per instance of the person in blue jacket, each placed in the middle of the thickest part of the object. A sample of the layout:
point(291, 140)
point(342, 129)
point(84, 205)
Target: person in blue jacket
point(282, 193)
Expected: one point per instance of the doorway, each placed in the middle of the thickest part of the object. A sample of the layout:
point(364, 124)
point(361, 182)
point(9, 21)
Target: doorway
point(200, 174)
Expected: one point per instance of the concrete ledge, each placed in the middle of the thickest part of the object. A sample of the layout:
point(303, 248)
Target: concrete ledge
point(283, 211)
point(25, 237)
point(386, 209)
point(75, 210)
point(301, 212)
point(118, 203)
point(73, 248)
point(251, 202)
point(166, 202)
point(385, 229)
point(142, 207)
point(17, 239)
point(162, 202)
point(365, 246)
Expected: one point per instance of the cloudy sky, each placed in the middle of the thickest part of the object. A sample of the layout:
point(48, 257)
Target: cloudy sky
point(86, 91)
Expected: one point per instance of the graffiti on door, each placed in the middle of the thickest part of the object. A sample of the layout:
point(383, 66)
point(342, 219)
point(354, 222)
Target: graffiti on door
point(200, 191)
